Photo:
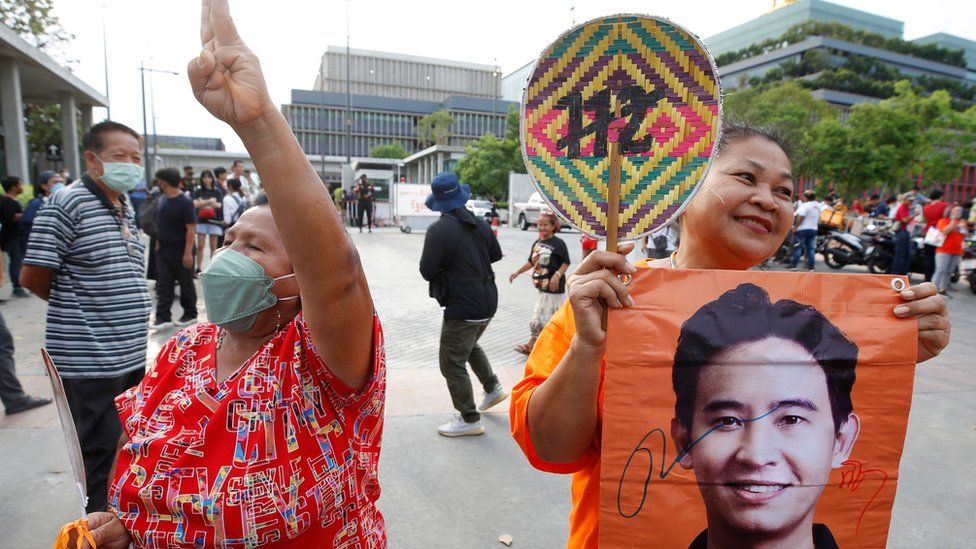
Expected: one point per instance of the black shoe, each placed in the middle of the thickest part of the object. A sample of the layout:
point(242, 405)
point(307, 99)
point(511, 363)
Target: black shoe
point(28, 403)
point(20, 292)
point(185, 321)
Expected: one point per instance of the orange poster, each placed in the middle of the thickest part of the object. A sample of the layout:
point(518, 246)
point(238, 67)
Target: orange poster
point(747, 409)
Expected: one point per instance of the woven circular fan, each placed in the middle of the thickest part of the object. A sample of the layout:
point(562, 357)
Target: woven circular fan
point(623, 109)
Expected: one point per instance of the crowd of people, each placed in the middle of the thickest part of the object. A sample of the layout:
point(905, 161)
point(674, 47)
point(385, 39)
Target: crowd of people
point(276, 403)
point(943, 225)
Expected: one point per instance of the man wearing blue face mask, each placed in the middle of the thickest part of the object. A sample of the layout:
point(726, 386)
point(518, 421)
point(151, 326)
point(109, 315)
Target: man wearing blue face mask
point(84, 258)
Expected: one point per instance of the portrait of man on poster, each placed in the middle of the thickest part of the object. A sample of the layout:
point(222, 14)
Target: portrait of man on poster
point(763, 413)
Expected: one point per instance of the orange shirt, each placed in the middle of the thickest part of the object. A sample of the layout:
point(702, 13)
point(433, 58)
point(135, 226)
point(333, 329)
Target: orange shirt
point(953, 241)
point(549, 349)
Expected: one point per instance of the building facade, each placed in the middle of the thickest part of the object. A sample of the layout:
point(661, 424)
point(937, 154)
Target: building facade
point(384, 74)
point(29, 75)
point(870, 67)
point(318, 120)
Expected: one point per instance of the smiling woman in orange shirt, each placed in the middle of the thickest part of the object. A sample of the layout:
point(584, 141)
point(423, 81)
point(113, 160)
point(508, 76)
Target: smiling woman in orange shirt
point(738, 220)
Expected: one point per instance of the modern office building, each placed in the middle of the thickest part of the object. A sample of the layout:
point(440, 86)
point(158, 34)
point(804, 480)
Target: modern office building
point(29, 75)
point(780, 20)
point(818, 56)
point(318, 120)
point(394, 75)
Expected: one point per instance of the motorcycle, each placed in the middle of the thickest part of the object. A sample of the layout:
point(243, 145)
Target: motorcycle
point(883, 256)
point(841, 249)
point(967, 267)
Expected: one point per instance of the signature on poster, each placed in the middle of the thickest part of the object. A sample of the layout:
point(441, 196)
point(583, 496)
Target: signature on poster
point(852, 479)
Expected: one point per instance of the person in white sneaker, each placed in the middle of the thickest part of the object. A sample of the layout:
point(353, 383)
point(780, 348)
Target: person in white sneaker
point(458, 252)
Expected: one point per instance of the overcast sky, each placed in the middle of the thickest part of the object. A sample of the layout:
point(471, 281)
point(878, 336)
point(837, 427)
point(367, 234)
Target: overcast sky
point(289, 36)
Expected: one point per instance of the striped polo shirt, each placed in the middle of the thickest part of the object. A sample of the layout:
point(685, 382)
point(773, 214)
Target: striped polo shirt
point(98, 310)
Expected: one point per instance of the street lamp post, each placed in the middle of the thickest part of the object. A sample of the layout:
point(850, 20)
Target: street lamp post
point(150, 161)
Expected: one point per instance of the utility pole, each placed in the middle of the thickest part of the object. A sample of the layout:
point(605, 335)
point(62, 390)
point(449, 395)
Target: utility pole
point(108, 108)
point(149, 161)
point(145, 128)
point(348, 94)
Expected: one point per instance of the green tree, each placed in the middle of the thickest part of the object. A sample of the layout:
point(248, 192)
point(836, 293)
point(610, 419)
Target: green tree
point(435, 128)
point(486, 166)
point(36, 23)
point(43, 124)
point(388, 150)
point(787, 106)
point(946, 136)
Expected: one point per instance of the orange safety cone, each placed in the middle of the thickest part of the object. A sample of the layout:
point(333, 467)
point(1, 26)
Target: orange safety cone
point(494, 226)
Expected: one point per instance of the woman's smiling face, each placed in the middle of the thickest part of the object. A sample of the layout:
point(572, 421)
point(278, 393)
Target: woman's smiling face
point(744, 209)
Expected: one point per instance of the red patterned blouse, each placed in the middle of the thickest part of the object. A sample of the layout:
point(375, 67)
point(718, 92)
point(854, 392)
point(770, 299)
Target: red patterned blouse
point(280, 453)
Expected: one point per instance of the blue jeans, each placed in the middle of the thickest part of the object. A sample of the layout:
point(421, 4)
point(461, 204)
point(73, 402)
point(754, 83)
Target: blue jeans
point(15, 251)
point(807, 242)
point(903, 253)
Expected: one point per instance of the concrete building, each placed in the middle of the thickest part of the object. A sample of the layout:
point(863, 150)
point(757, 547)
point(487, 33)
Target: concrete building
point(384, 74)
point(184, 142)
point(318, 120)
point(29, 75)
point(832, 53)
point(513, 84)
point(780, 20)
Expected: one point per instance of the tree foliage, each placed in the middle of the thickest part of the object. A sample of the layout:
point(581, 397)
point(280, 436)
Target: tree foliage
point(36, 23)
point(388, 150)
point(883, 144)
point(435, 128)
point(43, 124)
point(489, 160)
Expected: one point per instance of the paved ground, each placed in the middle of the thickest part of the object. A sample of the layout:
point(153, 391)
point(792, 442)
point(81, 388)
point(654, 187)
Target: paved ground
point(447, 493)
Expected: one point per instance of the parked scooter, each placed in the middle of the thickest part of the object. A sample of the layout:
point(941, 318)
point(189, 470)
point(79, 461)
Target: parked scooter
point(881, 258)
point(841, 249)
point(967, 267)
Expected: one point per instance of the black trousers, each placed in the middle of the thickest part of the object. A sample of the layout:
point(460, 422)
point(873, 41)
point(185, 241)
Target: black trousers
point(929, 262)
point(169, 271)
point(92, 404)
point(11, 392)
point(365, 208)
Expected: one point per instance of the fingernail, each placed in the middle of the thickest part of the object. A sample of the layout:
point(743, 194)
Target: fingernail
point(631, 268)
point(901, 310)
point(630, 301)
point(200, 59)
point(908, 294)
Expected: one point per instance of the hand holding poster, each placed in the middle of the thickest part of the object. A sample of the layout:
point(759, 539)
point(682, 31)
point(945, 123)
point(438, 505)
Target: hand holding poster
point(748, 407)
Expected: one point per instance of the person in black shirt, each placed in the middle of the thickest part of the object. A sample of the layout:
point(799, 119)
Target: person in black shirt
point(189, 182)
point(176, 226)
point(548, 260)
point(365, 192)
point(10, 241)
point(459, 249)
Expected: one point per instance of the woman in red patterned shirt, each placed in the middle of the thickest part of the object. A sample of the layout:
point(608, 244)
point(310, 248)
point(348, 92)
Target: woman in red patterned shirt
point(262, 427)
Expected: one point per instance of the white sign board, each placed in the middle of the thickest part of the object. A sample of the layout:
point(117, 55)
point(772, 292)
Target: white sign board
point(410, 200)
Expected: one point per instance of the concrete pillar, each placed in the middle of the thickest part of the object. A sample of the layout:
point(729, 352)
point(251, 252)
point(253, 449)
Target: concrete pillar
point(69, 135)
point(12, 112)
point(86, 117)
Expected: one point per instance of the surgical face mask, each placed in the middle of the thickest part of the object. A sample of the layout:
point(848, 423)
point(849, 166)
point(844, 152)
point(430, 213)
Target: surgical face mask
point(121, 176)
point(236, 289)
point(57, 187)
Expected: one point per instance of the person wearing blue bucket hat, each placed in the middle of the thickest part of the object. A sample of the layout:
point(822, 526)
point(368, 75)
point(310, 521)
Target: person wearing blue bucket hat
point(459, 249)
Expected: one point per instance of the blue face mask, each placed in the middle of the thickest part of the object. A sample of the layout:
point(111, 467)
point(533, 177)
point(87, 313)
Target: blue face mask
point(236, 289)
point(121, 176)
point(57, 187)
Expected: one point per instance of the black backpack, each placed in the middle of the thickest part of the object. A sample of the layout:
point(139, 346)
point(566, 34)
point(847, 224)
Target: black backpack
point(147, 214)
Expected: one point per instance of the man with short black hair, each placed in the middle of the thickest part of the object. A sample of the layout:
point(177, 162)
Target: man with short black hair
point(189, 182)
point(10, 242)
point(84, 257)
point(176, 230)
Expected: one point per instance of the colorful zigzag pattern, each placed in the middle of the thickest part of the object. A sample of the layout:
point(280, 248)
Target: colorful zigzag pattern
point(619, 53)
